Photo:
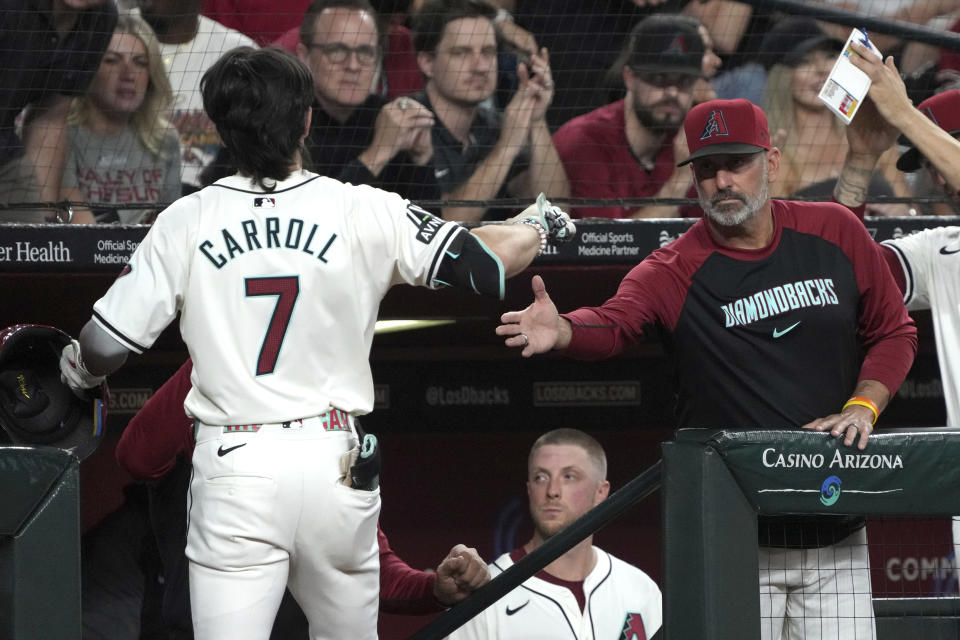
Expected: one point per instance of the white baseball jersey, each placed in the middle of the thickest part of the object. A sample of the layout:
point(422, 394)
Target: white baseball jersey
point(622, 603)
point(185, 64)
point(277, 292)
point(931, 268)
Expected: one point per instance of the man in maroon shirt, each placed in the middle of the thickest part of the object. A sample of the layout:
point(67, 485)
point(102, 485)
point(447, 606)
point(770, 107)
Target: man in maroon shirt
point(628, 149)
point(156, 447)
point(778, 314)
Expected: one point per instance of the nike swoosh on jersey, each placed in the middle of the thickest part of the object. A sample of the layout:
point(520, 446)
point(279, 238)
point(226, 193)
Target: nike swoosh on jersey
point(510, 611)
point(222, 452)
point(439, 173)
point(779, 334)
point(946, 252)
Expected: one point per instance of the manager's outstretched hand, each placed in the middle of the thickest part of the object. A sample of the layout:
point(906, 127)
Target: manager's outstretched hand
point(538, 328)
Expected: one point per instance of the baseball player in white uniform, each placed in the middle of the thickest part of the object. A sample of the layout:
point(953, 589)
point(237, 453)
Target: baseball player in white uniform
point(277, 275)
point(930, 264)
point(929, 270)
point(926, 265)
point(585, 594)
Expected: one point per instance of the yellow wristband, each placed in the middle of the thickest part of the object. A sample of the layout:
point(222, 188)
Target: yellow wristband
point(863, 402)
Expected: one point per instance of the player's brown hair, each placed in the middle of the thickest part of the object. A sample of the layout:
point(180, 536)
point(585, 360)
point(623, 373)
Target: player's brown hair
point(577, 438)
point(259, 98)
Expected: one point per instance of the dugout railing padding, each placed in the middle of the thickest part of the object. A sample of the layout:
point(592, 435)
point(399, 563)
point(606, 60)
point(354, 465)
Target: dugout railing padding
point(715, 483)
point(39, 544)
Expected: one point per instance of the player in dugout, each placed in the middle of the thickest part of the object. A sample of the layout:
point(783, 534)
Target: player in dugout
point(277, 275)
point(585, 593)
point(777, 314)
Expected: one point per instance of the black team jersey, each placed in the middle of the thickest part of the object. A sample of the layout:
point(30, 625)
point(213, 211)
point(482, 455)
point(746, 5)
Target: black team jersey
point(763, 338)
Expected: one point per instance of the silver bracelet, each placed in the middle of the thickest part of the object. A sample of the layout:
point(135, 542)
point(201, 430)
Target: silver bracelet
point(541, 231)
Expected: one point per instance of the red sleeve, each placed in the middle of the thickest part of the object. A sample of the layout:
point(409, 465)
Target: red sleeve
point(160, 431)
point(888, 333)
point(896, 269)
point(288, 40)
point(649, 297)
point(261, 20)
point(403, 589)
point(888, 254)
point(859, 211)
point(224, 12)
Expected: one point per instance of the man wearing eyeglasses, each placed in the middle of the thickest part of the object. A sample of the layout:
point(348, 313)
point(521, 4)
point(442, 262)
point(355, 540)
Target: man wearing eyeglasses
point(356, 135)
point(630, 148)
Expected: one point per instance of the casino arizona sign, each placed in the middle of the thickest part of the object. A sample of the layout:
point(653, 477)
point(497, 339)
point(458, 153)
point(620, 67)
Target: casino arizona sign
point(773, 459)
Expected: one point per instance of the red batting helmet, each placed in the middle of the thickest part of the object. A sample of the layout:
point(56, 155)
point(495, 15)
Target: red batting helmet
point(36, 407)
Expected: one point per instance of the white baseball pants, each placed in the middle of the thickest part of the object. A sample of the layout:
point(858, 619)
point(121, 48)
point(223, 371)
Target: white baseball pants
point(817, 594)
point(267, 511)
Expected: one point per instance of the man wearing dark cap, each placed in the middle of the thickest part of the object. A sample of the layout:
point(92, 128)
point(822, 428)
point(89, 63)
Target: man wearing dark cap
point(778, 315)
point(790, 39)
point(629, 149)
point(786, 42)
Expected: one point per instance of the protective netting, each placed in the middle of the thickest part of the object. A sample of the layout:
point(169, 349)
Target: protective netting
point(468, 107)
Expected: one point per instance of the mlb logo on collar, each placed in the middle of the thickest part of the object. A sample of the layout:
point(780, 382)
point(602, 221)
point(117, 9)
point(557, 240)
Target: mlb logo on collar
point(265, 203)
point(720, 127)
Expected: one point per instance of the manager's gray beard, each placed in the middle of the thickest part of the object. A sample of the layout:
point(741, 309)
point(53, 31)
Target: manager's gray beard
point(727, 215)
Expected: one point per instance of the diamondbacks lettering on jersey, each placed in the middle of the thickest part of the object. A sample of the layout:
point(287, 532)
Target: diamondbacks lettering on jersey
point(254, 237)
point(817, 292)
point(427, 223)
point(633, 628)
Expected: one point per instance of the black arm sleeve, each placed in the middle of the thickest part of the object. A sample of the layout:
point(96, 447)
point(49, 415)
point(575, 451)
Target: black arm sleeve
point(469, 264)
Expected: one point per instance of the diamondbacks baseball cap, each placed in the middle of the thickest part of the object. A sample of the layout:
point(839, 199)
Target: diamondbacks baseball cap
point(944, 110)
point(663, 43)
point(720, 127)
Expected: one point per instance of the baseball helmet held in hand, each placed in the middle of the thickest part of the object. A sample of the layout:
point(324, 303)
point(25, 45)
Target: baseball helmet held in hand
point(36, 407)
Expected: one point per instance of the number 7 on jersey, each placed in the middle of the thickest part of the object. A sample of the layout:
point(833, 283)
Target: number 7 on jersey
point(286, 288)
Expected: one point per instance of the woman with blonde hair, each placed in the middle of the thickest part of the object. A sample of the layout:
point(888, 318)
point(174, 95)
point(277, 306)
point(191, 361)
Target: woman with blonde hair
point(122, 149)
point(811, 138)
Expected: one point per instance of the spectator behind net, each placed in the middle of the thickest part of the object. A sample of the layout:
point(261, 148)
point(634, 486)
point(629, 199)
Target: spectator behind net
point(479, 152)
point(629, 148)
point(800, 55)
point(190, 44)
point(356, 135)
point(47, 56)
point(122, 148)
